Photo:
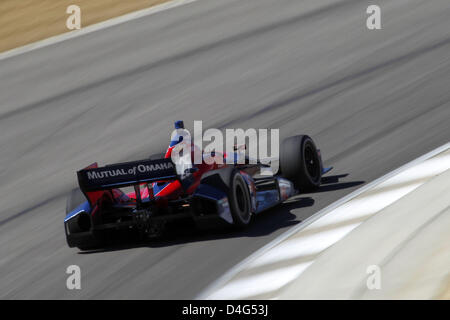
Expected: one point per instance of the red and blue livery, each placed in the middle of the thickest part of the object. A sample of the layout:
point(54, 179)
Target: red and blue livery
point(143, 197)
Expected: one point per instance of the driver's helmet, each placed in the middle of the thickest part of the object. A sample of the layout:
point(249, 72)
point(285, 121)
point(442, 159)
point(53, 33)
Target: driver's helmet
point(178, 137)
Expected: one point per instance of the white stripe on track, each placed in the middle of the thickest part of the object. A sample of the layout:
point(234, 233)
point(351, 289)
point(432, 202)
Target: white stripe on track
point(94, 27)
point(251, 286)
point(304, 246)
point(422, 171)
point(362, 207)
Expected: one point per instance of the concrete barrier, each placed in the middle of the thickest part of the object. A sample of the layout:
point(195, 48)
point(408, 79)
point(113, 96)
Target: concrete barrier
point(286, 267)
point(409, 243)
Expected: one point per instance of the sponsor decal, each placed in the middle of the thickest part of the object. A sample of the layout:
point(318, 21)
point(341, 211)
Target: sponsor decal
point(141, 169)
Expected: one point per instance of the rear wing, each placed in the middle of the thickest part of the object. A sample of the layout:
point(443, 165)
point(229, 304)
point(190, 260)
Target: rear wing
point(125, 174)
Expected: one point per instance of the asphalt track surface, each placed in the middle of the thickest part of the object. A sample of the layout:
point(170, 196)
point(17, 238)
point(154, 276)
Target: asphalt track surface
point(372, 101)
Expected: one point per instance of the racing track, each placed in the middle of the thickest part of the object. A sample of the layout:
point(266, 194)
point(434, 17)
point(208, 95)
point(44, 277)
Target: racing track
point(372, 100)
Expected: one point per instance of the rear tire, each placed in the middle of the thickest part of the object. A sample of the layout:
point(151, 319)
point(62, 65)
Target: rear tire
point(88, 248)
point(300, 162)
point(239, 197)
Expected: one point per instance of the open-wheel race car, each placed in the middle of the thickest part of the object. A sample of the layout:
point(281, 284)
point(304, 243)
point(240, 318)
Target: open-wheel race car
point(144, 196)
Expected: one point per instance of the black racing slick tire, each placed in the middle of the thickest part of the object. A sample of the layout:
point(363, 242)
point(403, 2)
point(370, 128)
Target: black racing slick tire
point(239, 199)
point(300, 162)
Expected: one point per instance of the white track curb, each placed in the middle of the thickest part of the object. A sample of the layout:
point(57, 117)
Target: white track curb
point(219, 283)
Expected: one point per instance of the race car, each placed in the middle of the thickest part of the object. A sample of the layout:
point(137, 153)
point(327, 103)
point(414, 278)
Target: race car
point(143, 197)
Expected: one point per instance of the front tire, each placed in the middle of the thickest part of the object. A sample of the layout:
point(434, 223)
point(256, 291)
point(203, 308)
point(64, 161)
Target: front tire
point(300, 163)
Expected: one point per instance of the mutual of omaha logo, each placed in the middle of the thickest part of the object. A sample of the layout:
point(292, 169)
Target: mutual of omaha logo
point(141, 168)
